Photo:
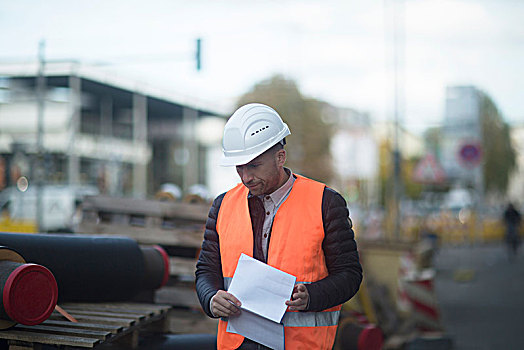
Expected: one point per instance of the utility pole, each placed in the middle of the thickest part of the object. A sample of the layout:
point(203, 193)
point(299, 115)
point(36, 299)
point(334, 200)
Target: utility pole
point(39, 169)
point(398, 48)
point(397, 29)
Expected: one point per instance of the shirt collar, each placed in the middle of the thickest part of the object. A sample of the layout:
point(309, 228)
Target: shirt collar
point(279, 194)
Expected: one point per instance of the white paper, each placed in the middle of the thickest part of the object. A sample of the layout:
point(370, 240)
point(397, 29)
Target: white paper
point(263, 291)
point(258, 328)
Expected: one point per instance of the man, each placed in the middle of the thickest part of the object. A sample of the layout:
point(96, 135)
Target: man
point(292, 223)
point(512, 219)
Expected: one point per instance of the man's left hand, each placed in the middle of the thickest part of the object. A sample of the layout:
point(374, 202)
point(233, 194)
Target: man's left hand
point(299, 299)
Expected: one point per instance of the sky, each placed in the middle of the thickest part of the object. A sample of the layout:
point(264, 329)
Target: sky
point(337, 51)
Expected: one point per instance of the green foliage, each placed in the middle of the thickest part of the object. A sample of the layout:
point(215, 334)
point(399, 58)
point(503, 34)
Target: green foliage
point(499, 153)
point(308, 145)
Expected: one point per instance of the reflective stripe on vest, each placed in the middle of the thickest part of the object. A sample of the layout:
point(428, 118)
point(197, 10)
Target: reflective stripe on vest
point(311, 319)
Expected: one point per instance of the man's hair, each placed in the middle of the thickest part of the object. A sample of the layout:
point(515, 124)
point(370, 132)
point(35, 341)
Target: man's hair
point(277, 147)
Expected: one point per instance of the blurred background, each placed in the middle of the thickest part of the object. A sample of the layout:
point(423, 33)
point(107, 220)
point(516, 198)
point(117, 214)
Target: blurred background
point(411, 109)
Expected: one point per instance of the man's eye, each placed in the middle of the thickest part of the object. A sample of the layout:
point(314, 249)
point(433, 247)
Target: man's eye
point(253, 166)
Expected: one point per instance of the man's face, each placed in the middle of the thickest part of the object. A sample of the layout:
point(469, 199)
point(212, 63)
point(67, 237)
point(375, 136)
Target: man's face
point(262, 175)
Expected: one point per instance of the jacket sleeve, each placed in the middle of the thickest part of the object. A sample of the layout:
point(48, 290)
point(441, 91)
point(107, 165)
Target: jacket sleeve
point(208, 273)
point(340, 251)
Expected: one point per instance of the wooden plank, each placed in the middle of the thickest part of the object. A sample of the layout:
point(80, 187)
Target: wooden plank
point(155, 308)
point(44, 338)
point(175, 237)
point(182, 266)
point(114, 311)
point(178, 296)
point(16, 345)
point(186, 211)
point(130, 335)
point(158, 325)
point(99, 323)
point(102, 335)
point(125, 322)
point(78, 312)
point(129, 341)
point(113, 329)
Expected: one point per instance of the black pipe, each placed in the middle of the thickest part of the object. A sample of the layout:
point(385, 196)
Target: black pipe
point(89, 267)
point(154, 258)
point(28, 292)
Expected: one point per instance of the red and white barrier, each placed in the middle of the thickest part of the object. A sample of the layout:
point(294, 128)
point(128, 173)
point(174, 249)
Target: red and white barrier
point(419, 293)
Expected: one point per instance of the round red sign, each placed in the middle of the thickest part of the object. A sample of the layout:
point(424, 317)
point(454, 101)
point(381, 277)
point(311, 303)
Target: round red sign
point(470, 154)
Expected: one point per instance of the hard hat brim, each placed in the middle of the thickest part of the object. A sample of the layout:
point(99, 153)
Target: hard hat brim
point(240, 160)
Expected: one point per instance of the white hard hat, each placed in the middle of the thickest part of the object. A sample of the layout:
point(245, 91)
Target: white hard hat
point(251, 130)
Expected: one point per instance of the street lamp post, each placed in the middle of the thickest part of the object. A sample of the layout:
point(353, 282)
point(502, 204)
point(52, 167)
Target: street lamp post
point(39, 169)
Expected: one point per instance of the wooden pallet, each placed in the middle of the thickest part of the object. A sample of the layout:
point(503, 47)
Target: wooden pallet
point(146, 221)
point(98, 324)
point(176, 226)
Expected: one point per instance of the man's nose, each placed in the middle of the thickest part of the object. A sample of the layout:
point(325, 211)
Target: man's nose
point(245, 175)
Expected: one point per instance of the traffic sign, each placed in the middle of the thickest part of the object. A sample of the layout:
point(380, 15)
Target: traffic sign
point(470, 154)
point(429, 171)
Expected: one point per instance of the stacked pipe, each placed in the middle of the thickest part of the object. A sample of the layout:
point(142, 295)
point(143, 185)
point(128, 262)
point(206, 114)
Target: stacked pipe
point(94, 268)
point(28, 291)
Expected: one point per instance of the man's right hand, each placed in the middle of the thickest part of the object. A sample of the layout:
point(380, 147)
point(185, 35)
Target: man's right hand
point(224, 304)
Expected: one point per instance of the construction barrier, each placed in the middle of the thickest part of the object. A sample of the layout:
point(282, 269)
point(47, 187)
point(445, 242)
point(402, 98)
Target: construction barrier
point(419, 294)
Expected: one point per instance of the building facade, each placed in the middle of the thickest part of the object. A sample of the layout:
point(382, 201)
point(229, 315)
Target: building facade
point(355, 155)
point(80, 127)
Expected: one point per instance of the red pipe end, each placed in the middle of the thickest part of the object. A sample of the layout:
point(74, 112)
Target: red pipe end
point(30, 294)
point(165, 258)
point(371, 338)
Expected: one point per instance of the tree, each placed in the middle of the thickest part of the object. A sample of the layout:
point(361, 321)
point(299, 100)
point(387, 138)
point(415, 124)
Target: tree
point(499, 153)
point(310, 135)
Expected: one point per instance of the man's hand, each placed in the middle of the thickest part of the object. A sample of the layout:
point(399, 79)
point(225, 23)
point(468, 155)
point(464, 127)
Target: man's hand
point(224, 304)
point(299, 299)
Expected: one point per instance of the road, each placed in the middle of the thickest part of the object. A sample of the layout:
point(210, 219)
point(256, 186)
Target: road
point(487, 311)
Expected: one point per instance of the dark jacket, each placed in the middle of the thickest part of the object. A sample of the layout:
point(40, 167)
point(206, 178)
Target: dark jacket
point(340, 250)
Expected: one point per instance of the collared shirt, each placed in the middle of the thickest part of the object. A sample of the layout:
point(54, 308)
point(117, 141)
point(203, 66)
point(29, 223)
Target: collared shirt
point(271, 204)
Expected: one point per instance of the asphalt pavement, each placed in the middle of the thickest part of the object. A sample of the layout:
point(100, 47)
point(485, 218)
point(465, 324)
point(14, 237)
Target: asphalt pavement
point(481, 296)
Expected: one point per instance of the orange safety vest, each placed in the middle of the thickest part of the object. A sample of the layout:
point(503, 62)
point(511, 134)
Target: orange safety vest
point(295, 247)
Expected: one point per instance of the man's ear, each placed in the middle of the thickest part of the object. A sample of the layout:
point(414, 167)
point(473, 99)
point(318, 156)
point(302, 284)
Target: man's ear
point(281, 157)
